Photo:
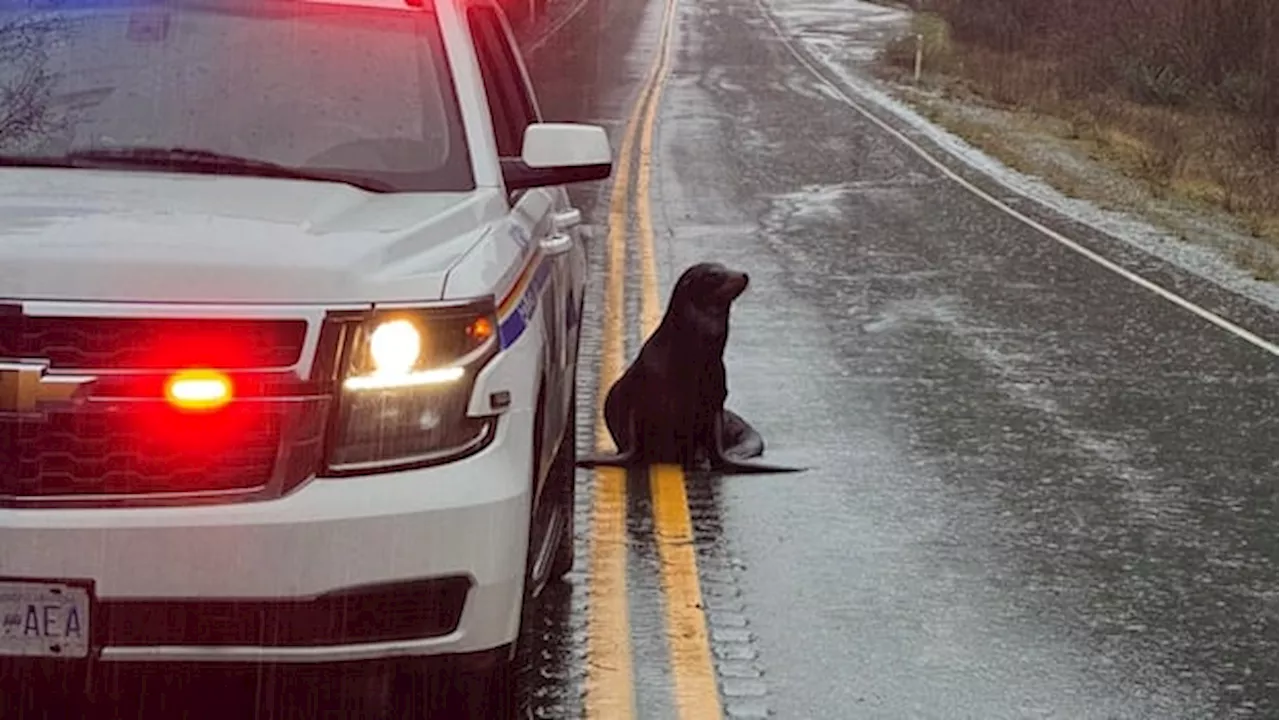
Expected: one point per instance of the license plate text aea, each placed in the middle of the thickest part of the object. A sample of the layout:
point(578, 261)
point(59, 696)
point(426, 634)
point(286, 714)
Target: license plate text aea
point(43, 619)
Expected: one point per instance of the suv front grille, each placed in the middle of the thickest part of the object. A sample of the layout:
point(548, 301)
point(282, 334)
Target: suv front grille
point(151, 343)
point(125, 445)
point(136, 451)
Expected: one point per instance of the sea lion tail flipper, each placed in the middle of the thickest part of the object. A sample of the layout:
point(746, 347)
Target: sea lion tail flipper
point(625, 458)
point(741, 441)
point(729, 466)
point(622, 459)
point(726, 463)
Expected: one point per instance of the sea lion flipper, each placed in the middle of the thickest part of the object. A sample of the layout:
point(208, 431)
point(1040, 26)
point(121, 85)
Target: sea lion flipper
point(625, 459)
point(741, 440)
point(729, 466)
point(606, 460)
point(726, 464)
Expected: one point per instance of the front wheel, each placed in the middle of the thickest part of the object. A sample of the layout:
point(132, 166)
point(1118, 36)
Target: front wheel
point(564, 477)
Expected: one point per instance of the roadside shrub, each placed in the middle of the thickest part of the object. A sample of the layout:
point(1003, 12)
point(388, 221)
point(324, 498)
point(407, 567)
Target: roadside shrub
point(1180, 93)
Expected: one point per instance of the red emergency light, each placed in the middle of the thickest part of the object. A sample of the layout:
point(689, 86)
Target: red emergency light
point(199, 390)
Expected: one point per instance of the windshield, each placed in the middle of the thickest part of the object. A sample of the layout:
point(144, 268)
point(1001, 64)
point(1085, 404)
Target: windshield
point(345, 91)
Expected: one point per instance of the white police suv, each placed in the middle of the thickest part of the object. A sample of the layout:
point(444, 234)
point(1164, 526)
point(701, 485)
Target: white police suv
point(290, 295)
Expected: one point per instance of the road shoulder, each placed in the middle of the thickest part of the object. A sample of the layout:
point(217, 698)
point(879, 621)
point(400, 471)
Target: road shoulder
point(1197, 273)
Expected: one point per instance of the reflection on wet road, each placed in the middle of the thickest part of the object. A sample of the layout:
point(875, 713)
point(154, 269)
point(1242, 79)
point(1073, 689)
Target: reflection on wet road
point(1039, 489)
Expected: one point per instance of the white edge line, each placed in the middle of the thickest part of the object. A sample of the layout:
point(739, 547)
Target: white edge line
point(1108, 264)
point(536, 45)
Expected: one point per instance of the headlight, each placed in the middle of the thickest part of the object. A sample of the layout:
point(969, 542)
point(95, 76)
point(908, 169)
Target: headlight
point(406, 385)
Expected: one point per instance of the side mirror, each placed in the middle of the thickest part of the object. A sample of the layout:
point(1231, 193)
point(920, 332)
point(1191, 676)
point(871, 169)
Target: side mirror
point(559, 154)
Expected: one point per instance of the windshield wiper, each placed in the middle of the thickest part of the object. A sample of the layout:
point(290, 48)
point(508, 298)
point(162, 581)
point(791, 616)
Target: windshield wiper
point(192, 160)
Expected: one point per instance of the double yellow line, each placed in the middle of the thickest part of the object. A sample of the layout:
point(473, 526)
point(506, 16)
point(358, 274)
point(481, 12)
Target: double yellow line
point(610, 693)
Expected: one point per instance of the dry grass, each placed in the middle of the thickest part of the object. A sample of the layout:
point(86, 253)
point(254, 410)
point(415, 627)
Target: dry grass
point(1198, 155)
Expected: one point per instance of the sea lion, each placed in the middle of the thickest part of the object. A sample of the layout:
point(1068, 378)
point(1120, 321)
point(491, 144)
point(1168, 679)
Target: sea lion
point(668, 406)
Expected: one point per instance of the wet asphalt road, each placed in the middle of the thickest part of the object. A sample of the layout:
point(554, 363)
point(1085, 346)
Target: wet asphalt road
point(1037, 489)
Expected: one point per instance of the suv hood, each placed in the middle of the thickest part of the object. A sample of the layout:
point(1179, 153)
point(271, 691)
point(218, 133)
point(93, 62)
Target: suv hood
point(133, 236)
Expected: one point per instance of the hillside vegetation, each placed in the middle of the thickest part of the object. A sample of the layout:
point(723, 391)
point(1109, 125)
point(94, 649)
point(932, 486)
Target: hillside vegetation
point(1179, 93)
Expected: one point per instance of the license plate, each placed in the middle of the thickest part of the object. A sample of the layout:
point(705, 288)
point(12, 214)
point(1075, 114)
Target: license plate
point(43, 619)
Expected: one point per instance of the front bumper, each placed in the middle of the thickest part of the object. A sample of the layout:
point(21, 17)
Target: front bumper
point(231, 583)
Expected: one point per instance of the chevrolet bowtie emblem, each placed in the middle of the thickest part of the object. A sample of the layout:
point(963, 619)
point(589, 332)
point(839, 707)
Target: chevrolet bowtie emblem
point(25, 387)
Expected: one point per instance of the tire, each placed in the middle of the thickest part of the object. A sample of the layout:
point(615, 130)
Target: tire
point(565, 469)
point(564, 475)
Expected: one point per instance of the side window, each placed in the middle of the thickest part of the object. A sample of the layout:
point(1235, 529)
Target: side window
point(509, 100)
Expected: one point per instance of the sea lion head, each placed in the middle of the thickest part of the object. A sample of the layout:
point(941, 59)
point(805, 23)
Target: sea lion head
point(705, 292)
